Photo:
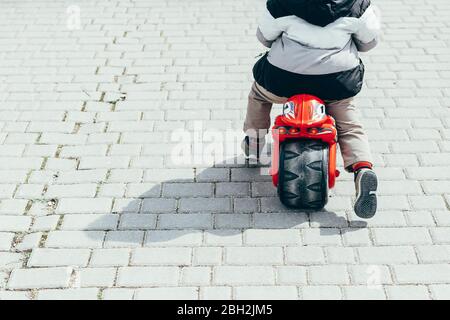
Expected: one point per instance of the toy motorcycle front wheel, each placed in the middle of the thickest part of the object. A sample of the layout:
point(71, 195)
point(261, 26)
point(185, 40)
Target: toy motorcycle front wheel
point(303, 174)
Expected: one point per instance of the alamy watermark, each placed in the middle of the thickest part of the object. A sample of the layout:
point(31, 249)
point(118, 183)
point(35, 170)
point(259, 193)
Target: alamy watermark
point(374, 278)
point(201, 146)
point(73, 20)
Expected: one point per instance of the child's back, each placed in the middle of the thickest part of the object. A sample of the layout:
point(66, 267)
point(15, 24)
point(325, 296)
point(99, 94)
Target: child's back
point(314, 46)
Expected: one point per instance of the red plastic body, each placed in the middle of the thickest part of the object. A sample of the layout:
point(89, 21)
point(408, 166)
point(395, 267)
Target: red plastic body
point(302, 123)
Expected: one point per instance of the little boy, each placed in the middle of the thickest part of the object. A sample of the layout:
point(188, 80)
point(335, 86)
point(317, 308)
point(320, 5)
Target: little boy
point(314, 49)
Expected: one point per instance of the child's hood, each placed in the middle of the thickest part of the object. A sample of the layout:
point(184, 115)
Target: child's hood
point(317, 12)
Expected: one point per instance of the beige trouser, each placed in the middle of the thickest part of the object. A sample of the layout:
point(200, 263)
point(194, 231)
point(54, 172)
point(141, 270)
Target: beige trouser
point(353, 141)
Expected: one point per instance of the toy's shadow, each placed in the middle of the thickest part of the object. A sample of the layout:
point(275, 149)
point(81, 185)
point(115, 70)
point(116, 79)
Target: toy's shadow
point(210, 205)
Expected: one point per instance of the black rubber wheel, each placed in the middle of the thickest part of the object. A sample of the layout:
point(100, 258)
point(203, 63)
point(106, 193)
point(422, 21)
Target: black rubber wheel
point(303, 174)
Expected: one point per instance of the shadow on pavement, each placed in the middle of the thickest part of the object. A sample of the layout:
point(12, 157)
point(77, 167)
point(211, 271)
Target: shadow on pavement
point(213, 206)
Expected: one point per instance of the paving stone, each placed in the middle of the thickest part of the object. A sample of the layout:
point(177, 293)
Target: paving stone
point(243, 275)
point(226, 189)
point(68, 294)
point(420, 219)
point(89, 222)
point(179, 238)
point(180, 293)
point(327, 219)
point(46, 223)
point(223, 237)
point(433, 253)
point(356, 237)
point(323, 236)
point(306, 255)
point(196, 276)
point(71, 191)
point(441, 217)
point(370, 275)
point(29, 191)
point(7, 190)
point(401, 236)
point(115, 190)
point(205, 205)
point(387, 255)
point(288, 275)
point(96, 277)
point(267, 292)
point(329, 274)
point(84, 205)
point(185, 221)
point(15, 295)
point(124, 239)
point(417, 292)
point(137, 221)
point(427, 202)
point(440, 291)
point(281, 220)
point(440, 235)
point(321, 293)
point(207, 256)
point(363, 293)
point(147, 276)
point(13, 206)
point(215, 293)
point(161, 256)
point(253, 255)
point(29, 241)
point(213, 175)
point(118, 294)
point(337, 255)
point(41, 257)
point(245, 205)
point(39, 278)
point(423, 273)
point(14, 223)
point(3, 279)
point(271, 237)
point(10, 260)
point(143, 190)
point(109, 257)
point(158, 205)
point(82, 176)
point(75, 239)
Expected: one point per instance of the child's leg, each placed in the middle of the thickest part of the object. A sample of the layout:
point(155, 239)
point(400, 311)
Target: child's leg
point(258, 110)
point(352, 139)
point(356, 153)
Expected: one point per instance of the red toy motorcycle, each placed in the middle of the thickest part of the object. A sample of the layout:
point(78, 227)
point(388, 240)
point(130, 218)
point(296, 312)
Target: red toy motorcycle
point(304, 153)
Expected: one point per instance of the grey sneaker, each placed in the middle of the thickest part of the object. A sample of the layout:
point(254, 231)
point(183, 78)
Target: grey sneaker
point(366, 184)
point(252, 147)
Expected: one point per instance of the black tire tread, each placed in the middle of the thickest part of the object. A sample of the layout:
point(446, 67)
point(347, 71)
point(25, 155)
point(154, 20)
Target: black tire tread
point(303, 174)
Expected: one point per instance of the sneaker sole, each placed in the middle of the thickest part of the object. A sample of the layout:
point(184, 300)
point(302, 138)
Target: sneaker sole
point(366, 204)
